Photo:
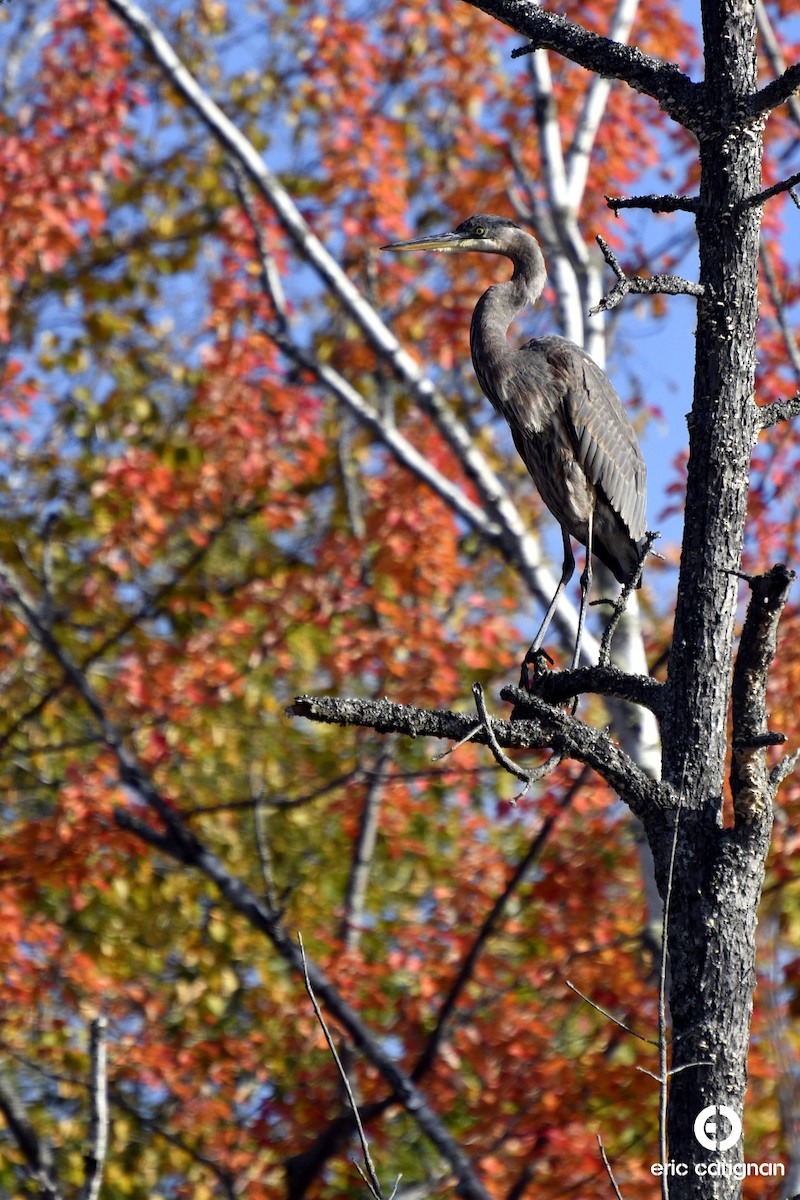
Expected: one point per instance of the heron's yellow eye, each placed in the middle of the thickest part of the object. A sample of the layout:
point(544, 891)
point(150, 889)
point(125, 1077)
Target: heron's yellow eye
point(480, 231)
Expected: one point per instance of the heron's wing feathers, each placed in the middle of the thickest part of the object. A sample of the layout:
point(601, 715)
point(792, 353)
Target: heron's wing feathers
point(604, 439)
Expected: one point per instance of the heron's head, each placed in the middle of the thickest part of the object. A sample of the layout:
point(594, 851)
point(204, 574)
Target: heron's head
point(485, 233)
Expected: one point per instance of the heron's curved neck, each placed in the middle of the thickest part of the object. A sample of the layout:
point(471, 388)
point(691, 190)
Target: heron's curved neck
point(497, 308)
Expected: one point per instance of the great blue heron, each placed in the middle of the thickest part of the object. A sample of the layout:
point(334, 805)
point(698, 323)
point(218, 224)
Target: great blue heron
point(567, 422)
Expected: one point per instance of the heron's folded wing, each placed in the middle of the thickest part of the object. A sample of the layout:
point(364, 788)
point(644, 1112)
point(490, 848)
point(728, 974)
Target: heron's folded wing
point(605, 441)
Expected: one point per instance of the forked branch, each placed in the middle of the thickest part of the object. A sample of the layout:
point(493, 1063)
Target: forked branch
point(653, 285)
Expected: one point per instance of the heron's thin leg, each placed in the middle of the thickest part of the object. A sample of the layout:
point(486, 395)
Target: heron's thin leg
point(586, 583)
point(567, 571)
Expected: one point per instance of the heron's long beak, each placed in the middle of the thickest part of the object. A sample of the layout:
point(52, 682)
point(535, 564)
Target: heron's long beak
point(433, 241)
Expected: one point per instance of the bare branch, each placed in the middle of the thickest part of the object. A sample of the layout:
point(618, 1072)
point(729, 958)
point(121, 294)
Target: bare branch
point(264, 854)
point(607, 1166)
point(371, 1179)
point(773, 52)
point(358, 879)
point(556, 221)
point(776, 93)
point(621, 603)
point(783, 770)
point(664, 81)
point(779, 410)
point(668, 285)
point(543, 726)
point(594, 106)
point(656, 204)
point(785, 185)
point(557, 687)
point(610, 1016)
point(787, 331)
point(270, 277)
point(504, 761)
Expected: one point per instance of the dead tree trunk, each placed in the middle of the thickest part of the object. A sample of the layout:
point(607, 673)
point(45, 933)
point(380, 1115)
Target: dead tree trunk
point(718, 872)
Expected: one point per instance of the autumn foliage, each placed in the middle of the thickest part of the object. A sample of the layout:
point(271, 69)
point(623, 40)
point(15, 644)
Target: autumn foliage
point(203, 531)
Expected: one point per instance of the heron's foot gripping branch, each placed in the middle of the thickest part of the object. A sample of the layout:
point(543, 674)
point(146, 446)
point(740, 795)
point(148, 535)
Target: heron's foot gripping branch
point(558, 687)
point(535, 664)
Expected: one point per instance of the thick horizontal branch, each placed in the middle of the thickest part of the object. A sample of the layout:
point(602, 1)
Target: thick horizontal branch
point(750, 783)
point(664, 81)
point(657, 204)
point(777, 92)
point(556, 687)
point(544, 727)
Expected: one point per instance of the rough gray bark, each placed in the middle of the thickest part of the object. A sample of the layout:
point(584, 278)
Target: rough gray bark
point(718, 873)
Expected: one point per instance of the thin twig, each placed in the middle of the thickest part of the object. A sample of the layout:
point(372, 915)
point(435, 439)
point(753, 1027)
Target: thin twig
point(262, 845)
point(783, 769)
point(371, 1178)
point(494, 745)
point(353, 908)
point(607, 1166)
point(621, 603)
point(702, 1062)
point(773, 52)
point(605, 1013)
point(528, 777)
point(270, 277)
point(662, 1005)
point(676, 1071)
point(457, 745)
